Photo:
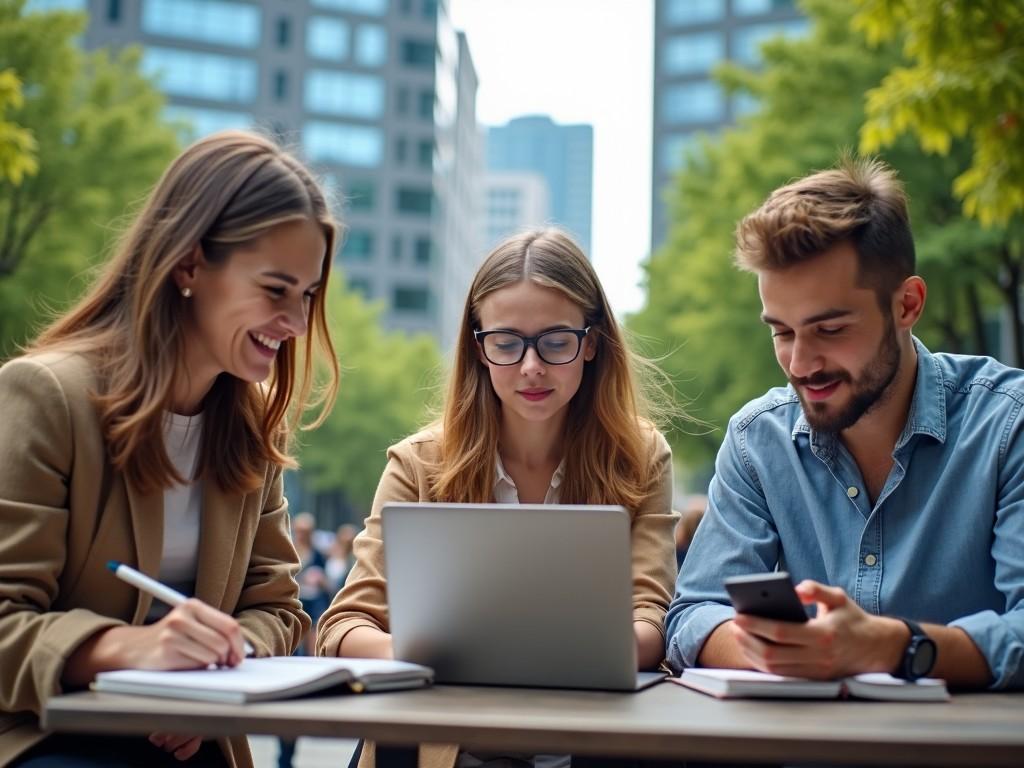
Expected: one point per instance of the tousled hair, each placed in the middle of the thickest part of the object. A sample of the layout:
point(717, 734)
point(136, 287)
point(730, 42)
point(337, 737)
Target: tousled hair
point(861, 201)
point(607, 448)
point(222, 192)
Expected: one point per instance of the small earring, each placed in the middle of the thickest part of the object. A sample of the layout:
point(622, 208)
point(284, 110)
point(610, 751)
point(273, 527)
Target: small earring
point(186, 292)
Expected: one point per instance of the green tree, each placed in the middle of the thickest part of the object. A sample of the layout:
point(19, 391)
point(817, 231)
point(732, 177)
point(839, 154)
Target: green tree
point(811, 106)
point(101, 144)
point(389, 380)
point(17, 146)
point(964, 78)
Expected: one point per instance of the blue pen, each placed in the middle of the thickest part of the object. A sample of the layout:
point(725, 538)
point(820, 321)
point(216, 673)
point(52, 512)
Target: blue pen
point(160, 591)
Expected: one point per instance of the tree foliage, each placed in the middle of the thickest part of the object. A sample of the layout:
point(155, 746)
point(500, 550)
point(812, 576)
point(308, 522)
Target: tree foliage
point(100, 144)
point(17, 145)
point(389, 380)
point(964, 77)
point(810, 93)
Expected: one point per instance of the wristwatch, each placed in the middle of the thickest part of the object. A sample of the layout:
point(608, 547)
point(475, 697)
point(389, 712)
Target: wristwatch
point(919, 657)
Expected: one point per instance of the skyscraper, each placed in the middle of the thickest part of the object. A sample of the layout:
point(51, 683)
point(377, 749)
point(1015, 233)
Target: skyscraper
point(690, 38)
point(378, 94)
point(562, 154)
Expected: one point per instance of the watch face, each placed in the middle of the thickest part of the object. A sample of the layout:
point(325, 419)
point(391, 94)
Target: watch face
point(924, 657)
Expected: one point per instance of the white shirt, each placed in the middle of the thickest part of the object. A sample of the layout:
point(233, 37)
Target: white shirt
point(182, 509)
point(505, 491)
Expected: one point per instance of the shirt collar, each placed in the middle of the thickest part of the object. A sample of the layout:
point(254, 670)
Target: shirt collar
point(501, 476)
point(927, 407)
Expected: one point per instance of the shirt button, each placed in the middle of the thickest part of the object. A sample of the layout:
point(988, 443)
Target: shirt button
point(870, 560)
point(852, 492)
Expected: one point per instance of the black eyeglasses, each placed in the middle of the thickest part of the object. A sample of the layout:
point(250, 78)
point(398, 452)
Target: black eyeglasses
point(557, 347)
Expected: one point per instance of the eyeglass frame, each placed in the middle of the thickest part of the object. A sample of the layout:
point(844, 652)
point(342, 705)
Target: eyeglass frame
point(531, 341)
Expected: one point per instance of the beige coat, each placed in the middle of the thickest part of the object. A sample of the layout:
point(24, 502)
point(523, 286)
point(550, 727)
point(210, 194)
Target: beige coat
point(64, 512)
point(363, 600)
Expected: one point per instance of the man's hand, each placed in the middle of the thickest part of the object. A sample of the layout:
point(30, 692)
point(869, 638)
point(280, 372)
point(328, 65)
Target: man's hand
point(182, 747)
point(842, 640)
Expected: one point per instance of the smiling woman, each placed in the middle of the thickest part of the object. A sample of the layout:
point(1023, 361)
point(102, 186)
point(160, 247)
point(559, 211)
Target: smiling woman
point(147, 426)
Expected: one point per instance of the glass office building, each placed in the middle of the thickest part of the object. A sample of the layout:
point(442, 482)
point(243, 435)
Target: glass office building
point(690, 38)
point(379, 95)
point(563, 155)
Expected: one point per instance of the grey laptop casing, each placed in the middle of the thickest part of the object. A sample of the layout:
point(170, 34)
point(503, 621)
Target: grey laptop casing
point(513, 594)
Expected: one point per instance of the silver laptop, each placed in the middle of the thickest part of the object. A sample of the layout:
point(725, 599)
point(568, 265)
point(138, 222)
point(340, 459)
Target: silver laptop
point(513, 594)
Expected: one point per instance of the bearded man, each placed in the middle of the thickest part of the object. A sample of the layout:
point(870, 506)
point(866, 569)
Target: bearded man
point(888, 480)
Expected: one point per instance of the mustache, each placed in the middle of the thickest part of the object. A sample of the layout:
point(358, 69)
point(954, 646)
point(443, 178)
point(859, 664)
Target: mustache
point(821, 378)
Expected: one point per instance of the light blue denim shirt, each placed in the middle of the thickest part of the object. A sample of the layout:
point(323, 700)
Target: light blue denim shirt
point(944, 542)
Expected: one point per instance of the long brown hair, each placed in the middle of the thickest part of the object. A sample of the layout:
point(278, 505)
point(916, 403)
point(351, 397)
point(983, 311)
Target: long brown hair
point(607, 443)
point(222, 192)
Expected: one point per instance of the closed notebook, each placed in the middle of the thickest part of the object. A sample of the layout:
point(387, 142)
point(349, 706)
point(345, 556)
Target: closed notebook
point(276, 677)
point(743, 683)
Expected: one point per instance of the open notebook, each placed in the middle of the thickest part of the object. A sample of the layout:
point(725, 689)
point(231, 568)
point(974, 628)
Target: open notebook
point(275, 677)
point(744, 683)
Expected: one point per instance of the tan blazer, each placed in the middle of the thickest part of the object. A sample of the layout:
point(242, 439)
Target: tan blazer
point(363, 599)
point(64, 512)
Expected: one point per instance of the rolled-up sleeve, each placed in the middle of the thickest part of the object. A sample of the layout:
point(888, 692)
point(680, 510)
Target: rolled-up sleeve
point(735, 537)
point(1000, 637)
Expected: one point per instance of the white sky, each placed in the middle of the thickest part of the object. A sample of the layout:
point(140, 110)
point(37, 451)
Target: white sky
point(579, 61)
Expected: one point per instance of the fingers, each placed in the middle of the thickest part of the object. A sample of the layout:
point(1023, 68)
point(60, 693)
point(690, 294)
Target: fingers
point(181, 746)
point(788, 648)
point(198, 635)
point(810, 591)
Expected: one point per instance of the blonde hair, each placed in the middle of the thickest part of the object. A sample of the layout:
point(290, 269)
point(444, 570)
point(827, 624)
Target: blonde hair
point(222, 192)
point(607, 446)
point(860, 201)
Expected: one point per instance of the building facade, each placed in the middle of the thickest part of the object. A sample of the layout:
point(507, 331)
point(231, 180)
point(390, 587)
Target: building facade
point(690, 38)
point(376, 94)
point(563, 155)
point(516, 201)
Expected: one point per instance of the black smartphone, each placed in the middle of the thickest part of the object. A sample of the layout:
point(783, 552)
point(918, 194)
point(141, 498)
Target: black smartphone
point(768, 595)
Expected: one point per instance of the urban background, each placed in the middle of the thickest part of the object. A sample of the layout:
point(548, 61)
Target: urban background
point(96, 96)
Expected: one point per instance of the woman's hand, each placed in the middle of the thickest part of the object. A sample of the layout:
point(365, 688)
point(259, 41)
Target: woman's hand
point(193, 635)
point(182, 747)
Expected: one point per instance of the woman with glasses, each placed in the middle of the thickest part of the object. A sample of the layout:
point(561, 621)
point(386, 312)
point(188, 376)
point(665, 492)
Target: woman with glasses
point(543, 406)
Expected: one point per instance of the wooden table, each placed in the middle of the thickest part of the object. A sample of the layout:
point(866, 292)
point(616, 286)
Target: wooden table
point(666, 721)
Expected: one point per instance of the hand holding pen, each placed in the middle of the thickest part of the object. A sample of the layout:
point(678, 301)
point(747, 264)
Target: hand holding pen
point(193, 631)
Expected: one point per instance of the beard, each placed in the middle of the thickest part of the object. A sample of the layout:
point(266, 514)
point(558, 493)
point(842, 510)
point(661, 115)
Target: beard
point(869, 389)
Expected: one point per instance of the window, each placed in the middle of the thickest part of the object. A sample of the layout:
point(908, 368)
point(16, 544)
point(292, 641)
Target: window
point(414, 200)
point(429, 9)
point(422, 251)
point(201, 75)
point(202, 122)
point(361, 285)
point(673, 150)
point(425, 154)
point(371, 45)
point(759, 7)
point(401, 149)
point(358, 246)
point(411, 298)
point(396, 249)
point(699, 102)
point(405, 6)
point(425, 105)
point(284, 32)
point(344, 93)
point(327, 38)
point(356, 145)
point(746, 41)
point(402, 100)
point(366, 7)
point(280, 85)
point(360, 195)
point(418, 53)
point(114, 11)
point(693, 11)
point(692, 54)
point(209, 21)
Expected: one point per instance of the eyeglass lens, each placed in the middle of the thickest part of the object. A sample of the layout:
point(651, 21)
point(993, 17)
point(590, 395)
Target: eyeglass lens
point(556, 347)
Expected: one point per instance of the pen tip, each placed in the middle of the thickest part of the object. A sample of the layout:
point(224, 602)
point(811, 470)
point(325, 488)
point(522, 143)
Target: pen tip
point(113, 565)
